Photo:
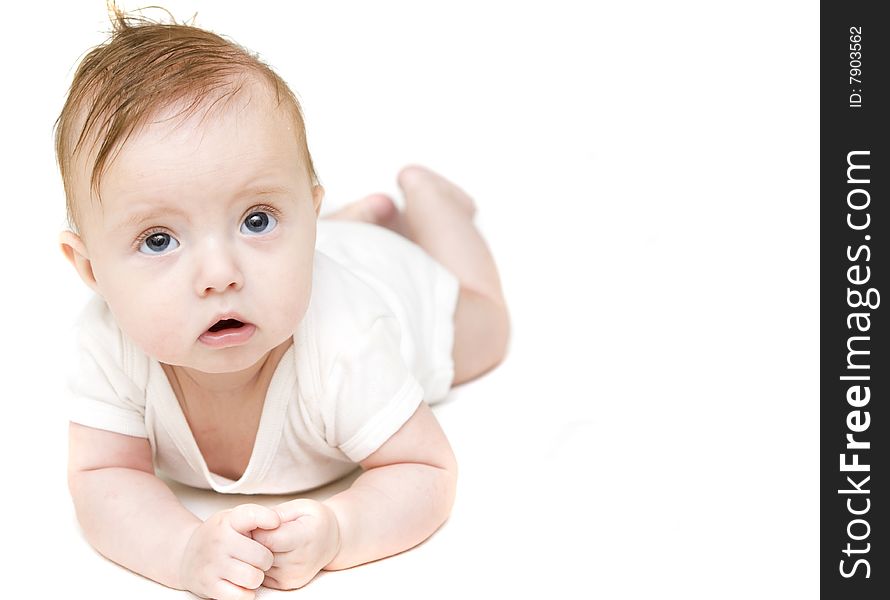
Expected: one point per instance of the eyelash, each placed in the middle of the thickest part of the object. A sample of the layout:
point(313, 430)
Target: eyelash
point(154, 230)
point(263, 208)
point(137, 243)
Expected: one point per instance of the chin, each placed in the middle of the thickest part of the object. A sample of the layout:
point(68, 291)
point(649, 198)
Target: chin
point(226, 360)
point(229, 364)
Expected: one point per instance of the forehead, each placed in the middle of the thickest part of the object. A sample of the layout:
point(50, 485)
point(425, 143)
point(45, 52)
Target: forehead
point(243, 128)
point(183, 151)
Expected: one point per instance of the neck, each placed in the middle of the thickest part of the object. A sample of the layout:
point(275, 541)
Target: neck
point(236, 384)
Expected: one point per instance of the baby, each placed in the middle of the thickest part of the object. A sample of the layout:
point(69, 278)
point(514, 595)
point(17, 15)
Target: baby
point(238, 344)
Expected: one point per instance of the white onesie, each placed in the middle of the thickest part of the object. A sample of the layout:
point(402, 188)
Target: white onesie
point(375, 341)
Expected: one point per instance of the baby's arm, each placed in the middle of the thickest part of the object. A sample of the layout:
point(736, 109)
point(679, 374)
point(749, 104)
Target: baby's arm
point(132, 517)
point(404, 495)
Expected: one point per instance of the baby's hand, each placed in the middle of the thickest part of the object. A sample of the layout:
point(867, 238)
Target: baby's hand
point(221, 561)
point(307, 540)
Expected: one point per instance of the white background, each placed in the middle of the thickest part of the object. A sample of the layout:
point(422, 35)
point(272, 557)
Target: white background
point(646, 175)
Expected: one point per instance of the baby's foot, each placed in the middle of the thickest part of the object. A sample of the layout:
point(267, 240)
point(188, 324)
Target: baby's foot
point(423, 185)
point(378, 209)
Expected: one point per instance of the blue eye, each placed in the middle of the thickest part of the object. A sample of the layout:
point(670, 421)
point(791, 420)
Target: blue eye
point(158, 243)
point(258, 222)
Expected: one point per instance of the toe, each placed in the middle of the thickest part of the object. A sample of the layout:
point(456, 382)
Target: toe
point(417, 181)
point(375, 208)
point(378, 208)
point(411, 175)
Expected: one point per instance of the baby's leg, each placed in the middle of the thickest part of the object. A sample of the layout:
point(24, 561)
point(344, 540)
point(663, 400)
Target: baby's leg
point(438, 216)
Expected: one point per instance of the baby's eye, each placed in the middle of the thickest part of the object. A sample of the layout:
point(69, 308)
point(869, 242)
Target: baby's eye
point(258, 222)
point(158, 243)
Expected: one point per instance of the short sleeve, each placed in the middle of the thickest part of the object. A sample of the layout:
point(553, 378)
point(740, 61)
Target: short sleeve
point(370, 392)
point(101, 394)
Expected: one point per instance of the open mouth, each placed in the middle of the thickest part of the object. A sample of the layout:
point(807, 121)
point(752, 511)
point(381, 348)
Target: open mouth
point(227, 333)
point(226, 324)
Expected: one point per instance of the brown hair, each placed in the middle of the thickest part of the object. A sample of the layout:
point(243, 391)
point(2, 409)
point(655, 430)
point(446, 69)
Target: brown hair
point(146, 66)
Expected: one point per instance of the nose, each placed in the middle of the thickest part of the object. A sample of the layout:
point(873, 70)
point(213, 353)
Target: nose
point(218, 269)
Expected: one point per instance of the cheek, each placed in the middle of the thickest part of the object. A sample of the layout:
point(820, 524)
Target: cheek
point(149, 313)
point(287, 284)
point(159, 328)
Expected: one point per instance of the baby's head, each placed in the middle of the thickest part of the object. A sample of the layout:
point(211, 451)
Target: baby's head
point(191, 194)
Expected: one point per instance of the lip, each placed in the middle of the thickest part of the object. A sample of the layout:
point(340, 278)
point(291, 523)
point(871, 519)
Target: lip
point(223, 317)
point(227, 337)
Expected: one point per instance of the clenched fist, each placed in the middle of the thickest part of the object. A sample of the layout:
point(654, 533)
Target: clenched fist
point(305, 542)
point(221, 560)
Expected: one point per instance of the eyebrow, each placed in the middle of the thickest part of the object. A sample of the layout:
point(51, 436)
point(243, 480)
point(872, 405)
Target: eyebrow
point(262, 190)
point(139, 217)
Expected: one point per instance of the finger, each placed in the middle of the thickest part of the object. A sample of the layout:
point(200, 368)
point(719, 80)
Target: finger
point(286, 561)
point(276, 540)
point(290, 511)
point(225, 590)
point(291, 579)
point(247, 517)
point(289, 536)
point(263, 536)
point(243, 575)
point(271, 582)
point(251, 552)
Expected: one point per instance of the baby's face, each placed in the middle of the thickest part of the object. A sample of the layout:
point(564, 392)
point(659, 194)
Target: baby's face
point(203, 220)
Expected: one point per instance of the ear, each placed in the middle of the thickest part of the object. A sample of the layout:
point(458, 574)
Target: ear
point(317, 197)
point(76, 252)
